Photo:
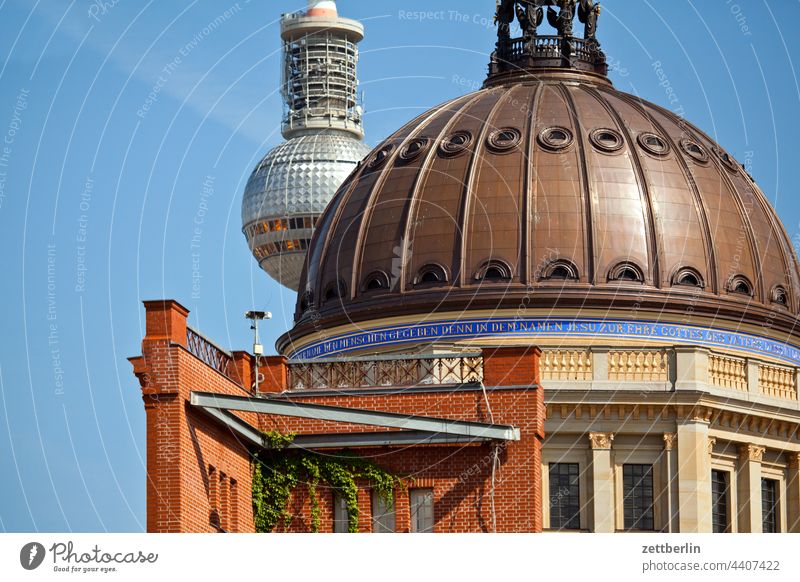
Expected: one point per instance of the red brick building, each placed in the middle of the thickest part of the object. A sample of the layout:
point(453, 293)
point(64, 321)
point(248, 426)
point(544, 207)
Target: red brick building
point(461, 433)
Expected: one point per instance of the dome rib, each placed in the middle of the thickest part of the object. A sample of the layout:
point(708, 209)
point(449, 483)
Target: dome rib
point(778, 228)
point(587, 189)
point(335, 210)
point(776, 237)
point(653, 248)
point(781, 237)
point(399, 140)
point(760, 293)
point(702, 211)
point(710, 143)
point(529, 188)
point(469, 185)
point(320, 241)
point(419, 181)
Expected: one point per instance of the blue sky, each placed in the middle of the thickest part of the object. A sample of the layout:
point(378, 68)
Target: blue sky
point(115, 115)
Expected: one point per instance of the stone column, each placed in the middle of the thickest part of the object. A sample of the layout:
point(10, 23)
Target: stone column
point(602, 483)
point(694, 476)
point(793, 493)
point(748, 487)
point(671, 481)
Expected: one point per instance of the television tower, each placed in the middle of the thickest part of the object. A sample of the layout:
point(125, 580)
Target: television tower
point(323, 127)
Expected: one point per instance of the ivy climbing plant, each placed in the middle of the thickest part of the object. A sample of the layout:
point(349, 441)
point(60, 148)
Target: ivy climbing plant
point(278, 471)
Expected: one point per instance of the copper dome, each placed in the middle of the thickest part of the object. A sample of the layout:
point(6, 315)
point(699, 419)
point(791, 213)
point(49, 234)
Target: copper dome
point(554, 190)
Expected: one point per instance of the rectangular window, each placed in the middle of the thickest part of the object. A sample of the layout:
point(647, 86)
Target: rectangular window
point(769, 506)
point(565, 503)
point(234, 505)
point(637, 487)
point(224, 502)
point(341, 516)
point(719, 501)
point(421, 502)
point(213, 497)
point(382, 514)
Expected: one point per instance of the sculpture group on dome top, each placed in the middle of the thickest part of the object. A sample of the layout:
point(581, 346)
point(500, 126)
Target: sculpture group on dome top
point(530, 14)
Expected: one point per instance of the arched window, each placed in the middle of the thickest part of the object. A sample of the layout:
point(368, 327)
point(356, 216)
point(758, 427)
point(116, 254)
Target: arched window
point(780, 296)
point(493, 271)
point(376, 281)
point(626, 272)
point(431, 274)
point(740, 285)
point(688, 277)
point(560, 270)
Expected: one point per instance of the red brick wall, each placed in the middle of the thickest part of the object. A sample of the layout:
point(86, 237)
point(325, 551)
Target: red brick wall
point(460, 475)
point(199, 475)
point(183, 445)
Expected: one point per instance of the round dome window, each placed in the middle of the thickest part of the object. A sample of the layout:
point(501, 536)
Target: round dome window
point(606, 140)
point(381, 156)
point(455, 144)
point(412, 150)
point(653, 144)
point(726, 159)
point(695, 151)
point(556, 138)
point(504, 140)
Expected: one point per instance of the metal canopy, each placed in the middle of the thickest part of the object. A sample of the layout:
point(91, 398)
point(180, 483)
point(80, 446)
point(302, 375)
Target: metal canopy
point(417, 429)
point(341, 440)
point(378, 439)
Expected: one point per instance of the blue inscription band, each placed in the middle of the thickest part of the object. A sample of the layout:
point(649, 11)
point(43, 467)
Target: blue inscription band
point(539, 328)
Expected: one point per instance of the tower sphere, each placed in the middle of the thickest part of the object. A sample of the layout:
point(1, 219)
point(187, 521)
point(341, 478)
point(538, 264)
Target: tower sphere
point(322, 124)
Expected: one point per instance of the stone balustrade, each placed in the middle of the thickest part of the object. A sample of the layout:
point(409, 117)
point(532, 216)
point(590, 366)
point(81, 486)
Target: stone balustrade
point(607, 367)
point(638, 365)
point(777, 381)
point(727, 372)
point(566, 364)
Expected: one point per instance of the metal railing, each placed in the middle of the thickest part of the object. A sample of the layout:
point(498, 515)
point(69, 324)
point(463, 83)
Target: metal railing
point(378, 372)
point(208, 352)
point(552, 47)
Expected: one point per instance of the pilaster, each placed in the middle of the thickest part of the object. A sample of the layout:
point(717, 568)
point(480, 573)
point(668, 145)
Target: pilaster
point(694, 476)
point(793, 493)
point(602, 483)
point(749, 488)
point(670, 471)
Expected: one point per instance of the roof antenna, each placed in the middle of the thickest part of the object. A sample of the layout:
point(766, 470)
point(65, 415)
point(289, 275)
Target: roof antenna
point(258, 349)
